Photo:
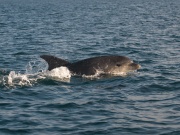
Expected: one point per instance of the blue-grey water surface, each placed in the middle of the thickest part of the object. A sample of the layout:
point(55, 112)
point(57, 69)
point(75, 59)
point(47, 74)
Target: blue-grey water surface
point(147, 31)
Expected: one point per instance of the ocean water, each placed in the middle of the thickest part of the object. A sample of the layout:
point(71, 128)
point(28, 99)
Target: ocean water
point(34, 101)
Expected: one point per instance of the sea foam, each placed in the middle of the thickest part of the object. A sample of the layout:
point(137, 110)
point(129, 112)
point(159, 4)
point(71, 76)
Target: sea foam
point(35, 70)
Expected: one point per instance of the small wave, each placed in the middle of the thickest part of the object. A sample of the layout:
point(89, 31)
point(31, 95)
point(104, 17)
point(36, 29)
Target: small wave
point(2, 71)
point(20, 53)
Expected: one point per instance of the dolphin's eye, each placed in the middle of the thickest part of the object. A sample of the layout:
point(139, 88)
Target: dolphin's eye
point(118, 64)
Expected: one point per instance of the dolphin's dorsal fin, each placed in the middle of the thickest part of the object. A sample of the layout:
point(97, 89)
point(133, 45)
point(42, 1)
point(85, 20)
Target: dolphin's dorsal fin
point(54, 62)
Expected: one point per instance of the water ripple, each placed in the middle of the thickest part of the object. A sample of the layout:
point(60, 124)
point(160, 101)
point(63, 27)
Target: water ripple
point(143, 103)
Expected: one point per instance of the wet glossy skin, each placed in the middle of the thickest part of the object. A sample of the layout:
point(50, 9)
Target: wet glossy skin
point(90, 66)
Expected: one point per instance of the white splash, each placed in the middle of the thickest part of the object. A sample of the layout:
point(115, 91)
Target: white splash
point(58, 73)
point(17, 79)
point(12, 77)
point(96, 75)
point(35, 71)
point(100, 73)
point(119, 74)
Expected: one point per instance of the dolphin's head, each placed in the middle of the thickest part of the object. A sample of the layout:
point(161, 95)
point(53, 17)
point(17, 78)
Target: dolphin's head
point(121, 65)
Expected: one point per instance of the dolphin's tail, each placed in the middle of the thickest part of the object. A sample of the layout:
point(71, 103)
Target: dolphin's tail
point(54, 62)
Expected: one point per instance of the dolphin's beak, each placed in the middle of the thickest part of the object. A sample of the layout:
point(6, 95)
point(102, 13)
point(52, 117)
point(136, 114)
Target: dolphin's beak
point(134, 66)
point(139, 66)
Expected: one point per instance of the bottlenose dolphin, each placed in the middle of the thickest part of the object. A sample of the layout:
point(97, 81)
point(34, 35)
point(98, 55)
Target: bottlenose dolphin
point(93, 66)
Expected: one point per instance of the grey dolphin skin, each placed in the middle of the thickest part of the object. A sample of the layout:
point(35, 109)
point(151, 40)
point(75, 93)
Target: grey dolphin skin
point(92, 66)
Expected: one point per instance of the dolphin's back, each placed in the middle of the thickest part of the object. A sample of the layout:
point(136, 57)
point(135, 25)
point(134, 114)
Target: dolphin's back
point(86, 66)
point(54, 62)
point(89, 66)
